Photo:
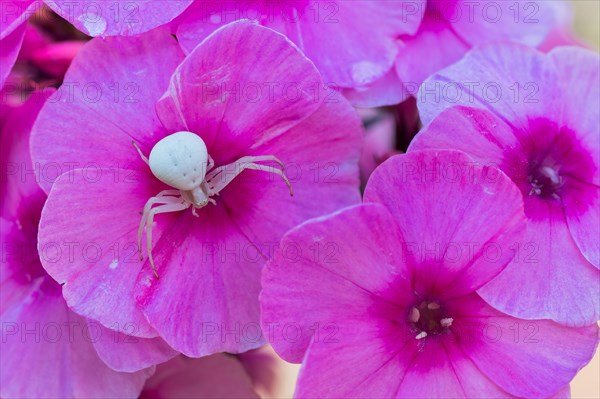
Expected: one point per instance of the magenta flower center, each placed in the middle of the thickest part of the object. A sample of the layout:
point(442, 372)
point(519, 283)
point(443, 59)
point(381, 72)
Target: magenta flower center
point(545, 181)
point(429, 318)
point(551, 163)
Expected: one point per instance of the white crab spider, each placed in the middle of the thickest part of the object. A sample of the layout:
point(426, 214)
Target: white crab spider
point(181, 161)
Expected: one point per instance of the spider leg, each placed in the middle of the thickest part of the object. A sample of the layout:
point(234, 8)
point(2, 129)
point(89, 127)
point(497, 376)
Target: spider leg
point(262, 158)
point(137, 147)
point(239, 166)
point(164, 193)
point(264, 168)
point(151, 202)
point(169, 207)
point(241, 162)
point(164, 197)
point(211, 163)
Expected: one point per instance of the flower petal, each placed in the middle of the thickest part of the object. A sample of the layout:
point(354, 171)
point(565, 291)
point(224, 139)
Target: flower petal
point(20, 190)
point(434, 33)
point(332, 268)
point(352, 43)
point(11, 45)
point(540, 283)
point(579, 71)
point(526, 358)
point(219, 376)
point(244, 83)
point(522, 21)
point(14, 14)
point(457, 249)
point(481, 79)
point(359, 351)
point(119, 17)
point(98, 266)
point(584, 221)
point(441, 370)
point(323, 171)
point(479, 133)
point(580, 75)
point(205, 300)
point(254, 211)
point(123, 352)
point(44, 338)
point(388, 90)
point(106, 101)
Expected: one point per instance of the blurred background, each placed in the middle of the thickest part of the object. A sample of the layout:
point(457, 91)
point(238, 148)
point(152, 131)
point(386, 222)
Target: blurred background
point(587, 21)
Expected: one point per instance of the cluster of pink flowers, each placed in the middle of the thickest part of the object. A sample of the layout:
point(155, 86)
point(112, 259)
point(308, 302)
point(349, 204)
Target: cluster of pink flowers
point(403, 196)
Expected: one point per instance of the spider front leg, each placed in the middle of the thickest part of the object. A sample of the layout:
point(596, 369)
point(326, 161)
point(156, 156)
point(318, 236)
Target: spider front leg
point(164, 197)
point(211, 163)
point(144, 158)
point(175, 207)
point(168, 204)
point(239, 166)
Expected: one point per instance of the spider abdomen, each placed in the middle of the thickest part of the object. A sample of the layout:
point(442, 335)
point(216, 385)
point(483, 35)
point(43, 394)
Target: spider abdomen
point(180, 160)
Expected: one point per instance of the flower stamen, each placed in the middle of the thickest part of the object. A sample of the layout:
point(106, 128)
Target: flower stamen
point(428, 318)
point(545, 182)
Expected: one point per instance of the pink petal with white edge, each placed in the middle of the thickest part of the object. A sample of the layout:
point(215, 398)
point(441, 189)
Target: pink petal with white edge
point(580, 74)
point(123, 352)
point(98, 265)
point(118, 17)
point(433, 33)
point(388, 90)
point(10, 45)
point(522, 21)
point(526, 358)
point(254, 88)
point(201, 19)
point(41, 335)
point(584, 222)
point(460, 251)
point(479, 133)
point(579, 71)
point(107, 101)
point(541, 282)
point(352, 43)
point(514, 82)
point(328, 269)
point(220, 376)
